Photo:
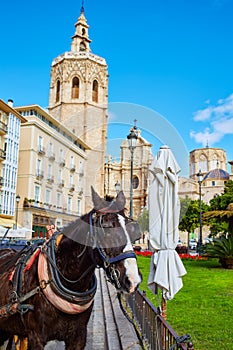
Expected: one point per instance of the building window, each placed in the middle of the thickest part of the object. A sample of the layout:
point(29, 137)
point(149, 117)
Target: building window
point(49, 171)
point(47, 198)
point(213, 183)
point(37, 194)
point(59, 176)
point(95, 91)
point(79, 207)
point(38, 167)
point(51, 150)
point(71, 181)
point(59, 201)
point(40, 143)
point(75, 87)
point(58, 88)
point(135, 182)
point(69, 205)
point(61, 155)
point(214, 163)
point(203, 164)
point(71, 162)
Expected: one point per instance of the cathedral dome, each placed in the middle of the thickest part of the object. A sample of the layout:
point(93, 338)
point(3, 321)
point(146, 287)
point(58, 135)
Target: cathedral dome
point(217, 174)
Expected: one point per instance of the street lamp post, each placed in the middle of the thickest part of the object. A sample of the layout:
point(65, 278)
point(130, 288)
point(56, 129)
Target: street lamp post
point(199, 179)
point(17, 210)
point(132, 139)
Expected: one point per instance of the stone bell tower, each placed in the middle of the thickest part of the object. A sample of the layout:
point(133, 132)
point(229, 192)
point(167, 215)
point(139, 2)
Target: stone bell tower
point(79, 99)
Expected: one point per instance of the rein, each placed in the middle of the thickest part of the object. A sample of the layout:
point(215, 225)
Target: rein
point(56, 284)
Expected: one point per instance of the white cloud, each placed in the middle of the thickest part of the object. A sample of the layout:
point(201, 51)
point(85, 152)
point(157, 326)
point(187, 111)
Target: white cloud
point(203, 114)
point(206, 137)
point(224, 126)
point(220, 120)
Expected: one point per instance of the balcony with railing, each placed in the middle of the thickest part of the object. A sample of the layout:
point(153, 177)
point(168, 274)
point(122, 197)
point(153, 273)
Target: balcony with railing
point(41, 150)
point(1, 181)
point(51, 156)
point(3, 128)
point(72, 168)
point(80, 191)
point(62, 162)
point(50, 179)
point(2, 155)
point(61, 183)
point(72, 188)
point(39, 174)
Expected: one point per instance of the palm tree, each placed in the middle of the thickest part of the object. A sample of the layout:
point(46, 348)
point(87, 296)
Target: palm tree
point(222, 248)
point(225, 215)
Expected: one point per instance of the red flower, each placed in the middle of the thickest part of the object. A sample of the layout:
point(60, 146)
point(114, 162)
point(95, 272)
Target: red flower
point(148, 253)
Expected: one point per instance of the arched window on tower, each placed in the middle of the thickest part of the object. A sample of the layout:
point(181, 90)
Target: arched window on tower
point(95, 91)
point(75, 87)
point(203, 163)
point(82, 46)
point(58, 88)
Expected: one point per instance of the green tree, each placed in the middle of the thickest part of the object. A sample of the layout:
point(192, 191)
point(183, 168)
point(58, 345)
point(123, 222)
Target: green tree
point(143, 220)
point(190, 214)
point(220, 212)
point(220, 219)
point(222, 201)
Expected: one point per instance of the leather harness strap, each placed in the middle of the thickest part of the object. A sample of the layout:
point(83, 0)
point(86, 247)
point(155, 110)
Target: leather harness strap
point(60, 303)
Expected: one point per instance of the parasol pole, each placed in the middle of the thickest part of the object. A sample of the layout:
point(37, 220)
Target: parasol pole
point(164, 308)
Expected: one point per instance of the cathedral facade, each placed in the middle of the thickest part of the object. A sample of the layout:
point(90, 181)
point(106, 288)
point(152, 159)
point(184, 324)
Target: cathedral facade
point(118, 173)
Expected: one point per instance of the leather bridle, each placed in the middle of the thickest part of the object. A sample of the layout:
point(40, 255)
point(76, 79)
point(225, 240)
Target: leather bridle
point(109, 263)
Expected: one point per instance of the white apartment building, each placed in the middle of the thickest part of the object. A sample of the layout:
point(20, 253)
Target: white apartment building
point(52, 162)
point(10, 122)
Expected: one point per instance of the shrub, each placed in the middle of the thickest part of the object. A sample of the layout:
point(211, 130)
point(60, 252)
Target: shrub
point(222, 248)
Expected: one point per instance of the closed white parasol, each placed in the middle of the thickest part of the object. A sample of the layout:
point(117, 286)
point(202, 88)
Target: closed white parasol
point(166, 269)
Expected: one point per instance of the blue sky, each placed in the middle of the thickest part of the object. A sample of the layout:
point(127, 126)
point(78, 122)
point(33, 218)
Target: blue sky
point(173, 57)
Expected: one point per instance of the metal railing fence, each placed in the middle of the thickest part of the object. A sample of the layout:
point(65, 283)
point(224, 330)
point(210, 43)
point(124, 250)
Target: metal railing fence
point(156, 332)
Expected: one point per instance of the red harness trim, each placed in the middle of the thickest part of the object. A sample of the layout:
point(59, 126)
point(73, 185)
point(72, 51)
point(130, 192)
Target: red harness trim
point(32, 260)
point(29, 264)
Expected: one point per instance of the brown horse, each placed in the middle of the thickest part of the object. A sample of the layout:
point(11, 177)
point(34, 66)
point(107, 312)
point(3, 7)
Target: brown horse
point(47, 291)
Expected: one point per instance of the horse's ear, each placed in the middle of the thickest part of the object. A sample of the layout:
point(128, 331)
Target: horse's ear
point(120, 200)
point(96, 199)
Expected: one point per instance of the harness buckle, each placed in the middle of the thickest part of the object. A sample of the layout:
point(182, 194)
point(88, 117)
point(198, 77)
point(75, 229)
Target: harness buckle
point(14, 297)
point(114, 277)
point(43, 284)
point(106, 263)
